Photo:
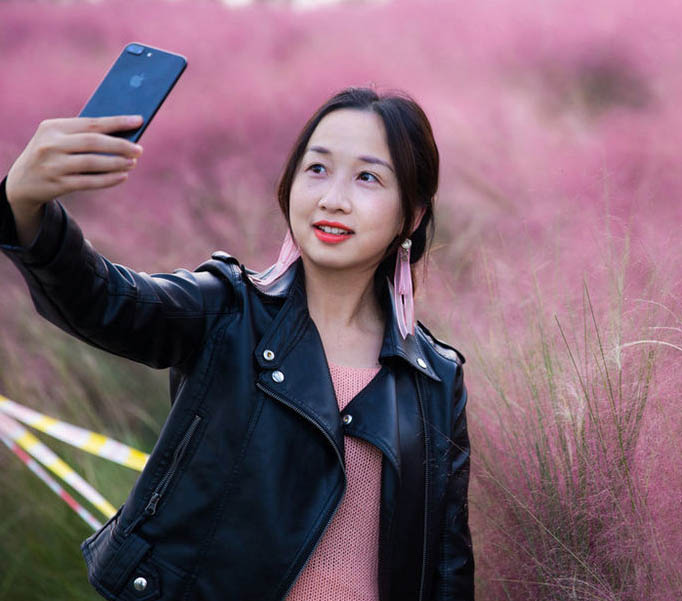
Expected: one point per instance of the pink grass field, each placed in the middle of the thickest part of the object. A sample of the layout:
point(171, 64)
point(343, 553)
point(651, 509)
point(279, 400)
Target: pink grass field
point(559, 131)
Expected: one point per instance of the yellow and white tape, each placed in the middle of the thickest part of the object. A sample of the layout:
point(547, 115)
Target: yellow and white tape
point(87, 517)
point(89, 441)
point(24, 439)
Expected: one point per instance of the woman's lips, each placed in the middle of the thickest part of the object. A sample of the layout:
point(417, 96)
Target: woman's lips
point(330, 238)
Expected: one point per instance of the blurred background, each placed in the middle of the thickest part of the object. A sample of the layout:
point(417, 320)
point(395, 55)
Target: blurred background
point(556, 268)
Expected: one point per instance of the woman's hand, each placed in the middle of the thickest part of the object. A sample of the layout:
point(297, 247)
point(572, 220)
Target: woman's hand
point(61, 158)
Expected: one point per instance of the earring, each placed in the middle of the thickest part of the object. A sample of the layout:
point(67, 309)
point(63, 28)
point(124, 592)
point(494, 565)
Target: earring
point(287, 255)
point(402, 284)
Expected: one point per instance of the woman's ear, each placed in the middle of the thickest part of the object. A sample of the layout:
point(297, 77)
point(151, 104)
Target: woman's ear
point(418, 218)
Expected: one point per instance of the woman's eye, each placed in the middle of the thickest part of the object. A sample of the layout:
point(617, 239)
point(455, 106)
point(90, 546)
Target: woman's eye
point(316, 167)
point(367, 173)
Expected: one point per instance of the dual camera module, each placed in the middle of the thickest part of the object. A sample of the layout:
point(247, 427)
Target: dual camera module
point(136, 49)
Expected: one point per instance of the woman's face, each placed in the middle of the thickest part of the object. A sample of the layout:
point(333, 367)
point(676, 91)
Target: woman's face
point(346, 184)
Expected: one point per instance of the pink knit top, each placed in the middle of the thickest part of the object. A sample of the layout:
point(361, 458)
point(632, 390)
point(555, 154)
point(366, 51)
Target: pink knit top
point(344, 565)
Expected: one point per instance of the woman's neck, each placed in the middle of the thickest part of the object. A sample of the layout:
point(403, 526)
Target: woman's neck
point(342, 299)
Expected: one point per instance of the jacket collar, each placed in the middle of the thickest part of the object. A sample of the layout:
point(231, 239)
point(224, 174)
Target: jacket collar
point(291, 349)
point(291, 286)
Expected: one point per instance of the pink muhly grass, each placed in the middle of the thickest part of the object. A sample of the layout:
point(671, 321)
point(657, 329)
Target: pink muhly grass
point(561, 504)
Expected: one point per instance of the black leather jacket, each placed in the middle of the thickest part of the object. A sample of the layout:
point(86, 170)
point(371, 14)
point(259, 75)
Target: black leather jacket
point(249, 468)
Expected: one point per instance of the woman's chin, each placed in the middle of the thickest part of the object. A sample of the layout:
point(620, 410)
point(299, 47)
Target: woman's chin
point(337, 262)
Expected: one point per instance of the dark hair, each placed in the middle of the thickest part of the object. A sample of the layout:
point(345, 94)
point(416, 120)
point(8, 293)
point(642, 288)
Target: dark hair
point(414, 155)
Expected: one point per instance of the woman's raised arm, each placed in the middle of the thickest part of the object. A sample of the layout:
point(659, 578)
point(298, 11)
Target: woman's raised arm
point(155, 319)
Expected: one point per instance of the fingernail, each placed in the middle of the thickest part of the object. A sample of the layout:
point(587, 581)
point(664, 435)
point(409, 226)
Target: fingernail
point(134, 120)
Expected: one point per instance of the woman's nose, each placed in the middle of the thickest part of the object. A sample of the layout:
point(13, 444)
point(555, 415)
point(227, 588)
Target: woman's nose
point(335, 198)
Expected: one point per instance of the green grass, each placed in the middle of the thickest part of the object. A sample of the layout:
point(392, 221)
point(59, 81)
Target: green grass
point(40, 535)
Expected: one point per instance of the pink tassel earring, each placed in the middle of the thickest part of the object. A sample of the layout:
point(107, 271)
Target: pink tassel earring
point(402, 284)
point(287, 255)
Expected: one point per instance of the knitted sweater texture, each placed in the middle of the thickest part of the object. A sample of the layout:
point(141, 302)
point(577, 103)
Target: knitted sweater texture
point(344, 565)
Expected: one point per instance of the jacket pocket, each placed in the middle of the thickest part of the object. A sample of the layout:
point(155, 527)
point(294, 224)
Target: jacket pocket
point(168, 476)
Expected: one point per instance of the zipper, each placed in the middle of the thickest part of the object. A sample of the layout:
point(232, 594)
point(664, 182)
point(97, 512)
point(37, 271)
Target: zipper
point(426, 491)
point(161, 487)
point(343, 468)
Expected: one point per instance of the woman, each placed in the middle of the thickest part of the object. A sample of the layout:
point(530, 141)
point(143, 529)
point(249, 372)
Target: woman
point(316, 447)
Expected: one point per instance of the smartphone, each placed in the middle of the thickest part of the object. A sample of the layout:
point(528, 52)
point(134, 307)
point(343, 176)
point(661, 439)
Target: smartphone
point(136, 84)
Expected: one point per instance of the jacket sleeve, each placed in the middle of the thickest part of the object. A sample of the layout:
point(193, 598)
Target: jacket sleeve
point(157, 319)
point(455, 567)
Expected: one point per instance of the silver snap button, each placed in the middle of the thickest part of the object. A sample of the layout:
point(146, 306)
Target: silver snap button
point(268, 354)
point(347, 419)
point(278, 376)
point(421, 363)
point(139, 584)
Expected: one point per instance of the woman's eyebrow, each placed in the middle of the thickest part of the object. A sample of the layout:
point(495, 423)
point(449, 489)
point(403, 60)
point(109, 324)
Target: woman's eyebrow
point(364, 158)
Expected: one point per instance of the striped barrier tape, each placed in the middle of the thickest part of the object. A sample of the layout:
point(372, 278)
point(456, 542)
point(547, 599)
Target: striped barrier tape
point(52, 483)
point(94, 443)
point(24, 439)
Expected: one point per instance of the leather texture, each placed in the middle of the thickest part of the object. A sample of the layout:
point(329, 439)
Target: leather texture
point(248, 468)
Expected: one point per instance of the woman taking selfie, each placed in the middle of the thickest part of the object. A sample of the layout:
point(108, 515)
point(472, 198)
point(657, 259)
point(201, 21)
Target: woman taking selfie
point(316, 447)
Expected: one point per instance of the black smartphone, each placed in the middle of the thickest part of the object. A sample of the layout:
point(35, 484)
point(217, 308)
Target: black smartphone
point(136, 84)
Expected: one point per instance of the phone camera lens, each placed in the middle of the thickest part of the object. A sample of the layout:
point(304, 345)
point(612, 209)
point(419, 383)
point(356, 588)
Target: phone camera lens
point(135, 49)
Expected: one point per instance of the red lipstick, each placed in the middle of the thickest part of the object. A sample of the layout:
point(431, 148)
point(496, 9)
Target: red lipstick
point(328, 237)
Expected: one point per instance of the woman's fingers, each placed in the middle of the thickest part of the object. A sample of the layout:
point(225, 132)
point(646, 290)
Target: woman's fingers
point(104, 125)
point(92, 181)
point(62, 149)
point(86, 135)
point(97, 142)
point(96, 163)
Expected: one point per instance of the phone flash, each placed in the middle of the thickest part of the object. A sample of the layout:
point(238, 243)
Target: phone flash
point(149, 53)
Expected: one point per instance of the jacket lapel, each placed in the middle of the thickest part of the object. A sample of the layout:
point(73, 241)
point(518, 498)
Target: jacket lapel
point(290, 352)
point(375, 416)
